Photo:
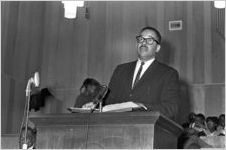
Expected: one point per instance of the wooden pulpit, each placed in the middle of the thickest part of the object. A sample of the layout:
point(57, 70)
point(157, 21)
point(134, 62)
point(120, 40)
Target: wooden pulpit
point(129, 130)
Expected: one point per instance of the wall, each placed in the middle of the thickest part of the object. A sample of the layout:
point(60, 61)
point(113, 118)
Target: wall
point(36, 36)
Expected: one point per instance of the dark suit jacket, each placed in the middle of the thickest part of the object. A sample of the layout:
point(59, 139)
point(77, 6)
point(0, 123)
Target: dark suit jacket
point(158, 88)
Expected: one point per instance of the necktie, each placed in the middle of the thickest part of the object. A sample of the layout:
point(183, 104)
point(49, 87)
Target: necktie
point(138, 74)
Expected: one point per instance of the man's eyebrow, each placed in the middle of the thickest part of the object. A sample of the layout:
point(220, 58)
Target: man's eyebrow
point(151, 36)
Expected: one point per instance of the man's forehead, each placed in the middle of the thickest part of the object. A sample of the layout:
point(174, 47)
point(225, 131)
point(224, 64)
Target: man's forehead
point(148, 33)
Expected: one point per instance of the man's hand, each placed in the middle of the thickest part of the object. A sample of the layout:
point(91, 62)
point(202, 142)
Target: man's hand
point(142, 105)
point(89, 105)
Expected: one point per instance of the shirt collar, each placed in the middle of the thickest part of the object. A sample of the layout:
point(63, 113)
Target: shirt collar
point(148, 62)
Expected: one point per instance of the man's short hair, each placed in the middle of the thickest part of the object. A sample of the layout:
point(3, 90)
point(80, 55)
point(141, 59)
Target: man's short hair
point(159, 38)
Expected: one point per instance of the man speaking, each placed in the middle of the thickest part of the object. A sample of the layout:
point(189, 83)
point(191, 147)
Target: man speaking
point(146, 80)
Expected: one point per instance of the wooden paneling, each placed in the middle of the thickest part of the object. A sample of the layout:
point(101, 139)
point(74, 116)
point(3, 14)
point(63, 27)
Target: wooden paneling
point(137, 136)
point(97, 40)
point(218, 48)
point(10, 141)
point(207, 43)
point(64, 137)
point(198, 39)
point(37, 37)
point(189, 42)
point(214, 95)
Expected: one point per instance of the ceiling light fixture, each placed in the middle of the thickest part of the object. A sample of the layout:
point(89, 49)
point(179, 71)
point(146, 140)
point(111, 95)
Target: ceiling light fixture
point(219, 4)
point(70, 8)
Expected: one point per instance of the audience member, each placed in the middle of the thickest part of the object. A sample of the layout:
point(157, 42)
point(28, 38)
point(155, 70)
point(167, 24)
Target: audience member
point(221, 120)
point(221, 124)
point(196, 126)
point(31, 133)
point(191, 119)
point(199, 125)
point(211, 126)
point(88, 91)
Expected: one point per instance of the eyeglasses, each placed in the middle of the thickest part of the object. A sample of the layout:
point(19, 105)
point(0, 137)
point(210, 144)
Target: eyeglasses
point(149, 41)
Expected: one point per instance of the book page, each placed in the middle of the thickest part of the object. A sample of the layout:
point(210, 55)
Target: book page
point(120, 107)
point(79, 110)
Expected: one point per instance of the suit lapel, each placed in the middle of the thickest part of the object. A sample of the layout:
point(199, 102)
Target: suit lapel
point(130, 74)
point(148, 73)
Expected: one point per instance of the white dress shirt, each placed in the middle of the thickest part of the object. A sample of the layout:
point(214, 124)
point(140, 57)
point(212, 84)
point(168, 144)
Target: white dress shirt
point(145, 67)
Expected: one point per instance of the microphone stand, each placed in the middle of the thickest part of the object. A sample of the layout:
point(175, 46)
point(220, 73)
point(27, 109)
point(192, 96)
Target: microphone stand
point(35, 81)
point(100, 106)
point(99, 98)
point(26, 114)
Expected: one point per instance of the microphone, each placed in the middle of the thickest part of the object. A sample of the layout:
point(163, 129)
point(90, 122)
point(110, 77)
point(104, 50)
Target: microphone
point(36, 79)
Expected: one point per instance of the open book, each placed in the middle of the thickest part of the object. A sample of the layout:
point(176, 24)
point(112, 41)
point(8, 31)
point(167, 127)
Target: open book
point(119, 107)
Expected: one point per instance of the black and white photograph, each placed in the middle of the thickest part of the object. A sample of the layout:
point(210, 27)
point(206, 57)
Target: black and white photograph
point(112, 74)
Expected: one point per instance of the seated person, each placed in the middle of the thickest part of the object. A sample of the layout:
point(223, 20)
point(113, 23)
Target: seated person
point(188, 126)
point(190, 137)
point(211, 126)
point(191, 119)
point(221, 124)
point(30, 138)
point(199, 125)
point(195, 143)
point(88, 91)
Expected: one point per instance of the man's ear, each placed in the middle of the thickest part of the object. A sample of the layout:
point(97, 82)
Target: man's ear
point(158, 48)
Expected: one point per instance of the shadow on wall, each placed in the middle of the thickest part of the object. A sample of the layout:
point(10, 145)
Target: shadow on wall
point(184, 103)
point(43, 101)
point(167, 55)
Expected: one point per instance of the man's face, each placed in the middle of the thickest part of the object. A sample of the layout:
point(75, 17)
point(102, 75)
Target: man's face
point(147, 50)
point(91, 89)
point(210, 125)
point(30, 141)
point(222, 121)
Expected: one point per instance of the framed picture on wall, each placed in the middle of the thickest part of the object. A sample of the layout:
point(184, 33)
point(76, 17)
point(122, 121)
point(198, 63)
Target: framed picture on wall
point(175, 25)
